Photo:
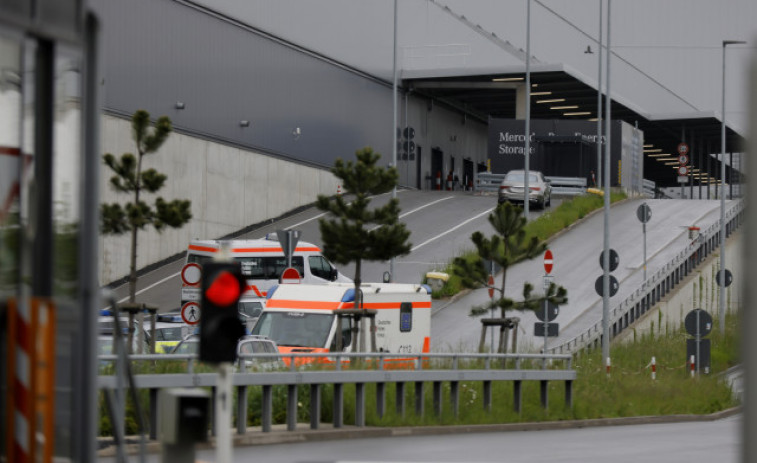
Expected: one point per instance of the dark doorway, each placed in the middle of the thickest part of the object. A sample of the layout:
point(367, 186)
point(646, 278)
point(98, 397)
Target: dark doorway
point(418, 164)
point(437, 168)
point(467, 174)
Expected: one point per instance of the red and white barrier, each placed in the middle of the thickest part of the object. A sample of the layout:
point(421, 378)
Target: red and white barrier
point(693, 366)
point(607, 366)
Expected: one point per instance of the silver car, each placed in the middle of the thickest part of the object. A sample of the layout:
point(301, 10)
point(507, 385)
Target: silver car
point(512, 186)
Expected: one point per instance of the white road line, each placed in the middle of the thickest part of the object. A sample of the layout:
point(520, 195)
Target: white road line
point(148, 287)
point(451, 229)
point(425, 206)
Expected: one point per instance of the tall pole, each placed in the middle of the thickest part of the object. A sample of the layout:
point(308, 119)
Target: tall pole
point(606, 263)
point(721, 306)
point(395, 127)
point(599, 103)
point(527, 150)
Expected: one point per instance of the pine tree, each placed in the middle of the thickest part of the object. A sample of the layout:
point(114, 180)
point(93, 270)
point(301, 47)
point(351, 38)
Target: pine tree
point(507, 247)
point(129, 178)
point(350, 235)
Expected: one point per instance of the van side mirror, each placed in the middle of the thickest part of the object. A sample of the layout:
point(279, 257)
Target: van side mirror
point(334, 274)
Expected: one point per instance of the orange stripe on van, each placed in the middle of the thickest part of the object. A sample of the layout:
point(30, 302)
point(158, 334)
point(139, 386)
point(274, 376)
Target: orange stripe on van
point(290, 304)
point(394, 305)
point(272, 249)
point(194, 247)
point(426, 344)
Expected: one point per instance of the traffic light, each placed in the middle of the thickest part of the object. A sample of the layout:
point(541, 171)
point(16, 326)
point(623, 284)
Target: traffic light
point(220, 327)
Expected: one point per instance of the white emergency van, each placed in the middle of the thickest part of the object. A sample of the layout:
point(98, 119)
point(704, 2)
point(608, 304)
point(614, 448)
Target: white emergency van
point(306, 318)
point(262, 262)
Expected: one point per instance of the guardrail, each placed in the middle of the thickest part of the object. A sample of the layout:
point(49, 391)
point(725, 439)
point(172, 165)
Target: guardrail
point(435, 368)
point(648, 188)
point(656, 286)
point(489, 182)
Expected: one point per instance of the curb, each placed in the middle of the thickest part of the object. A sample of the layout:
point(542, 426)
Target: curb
point(319, 435)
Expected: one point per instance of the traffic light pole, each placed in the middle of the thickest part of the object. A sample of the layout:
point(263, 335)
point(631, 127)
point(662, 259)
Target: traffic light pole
point(223, 413)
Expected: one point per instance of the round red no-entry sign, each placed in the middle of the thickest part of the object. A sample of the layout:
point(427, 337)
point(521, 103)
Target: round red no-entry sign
point(290, 275)
point(191, 274)
point(548, 262)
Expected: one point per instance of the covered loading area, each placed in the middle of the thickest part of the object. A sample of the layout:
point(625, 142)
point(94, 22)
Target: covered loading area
point(556, 94)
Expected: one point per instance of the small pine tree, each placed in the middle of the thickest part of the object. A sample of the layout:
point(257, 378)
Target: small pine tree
point(507, 247)
point(129, 178)
point(347, 235)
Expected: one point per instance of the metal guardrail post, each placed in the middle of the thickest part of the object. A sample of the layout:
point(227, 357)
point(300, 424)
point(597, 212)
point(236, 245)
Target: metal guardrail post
point(291, 407)
point(400, 398)
point(338, 406)
point(360, 405)
point(454, 392)
point(517, 396)
point(315, 406)
point(380, 399)
point(267, 408)
point(241, 410)
point(438, 398)
point(419, 398)
point(487, 395)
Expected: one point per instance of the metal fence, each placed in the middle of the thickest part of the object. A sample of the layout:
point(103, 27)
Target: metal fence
point(656, 286)
point(564, 186)
point(357, 369)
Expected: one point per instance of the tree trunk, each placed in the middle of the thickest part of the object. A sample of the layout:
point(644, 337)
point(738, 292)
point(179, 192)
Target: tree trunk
point(134, 228)
point(504, 277)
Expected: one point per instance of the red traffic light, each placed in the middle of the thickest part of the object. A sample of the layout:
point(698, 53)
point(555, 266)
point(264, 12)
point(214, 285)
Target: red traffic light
point(224, 290)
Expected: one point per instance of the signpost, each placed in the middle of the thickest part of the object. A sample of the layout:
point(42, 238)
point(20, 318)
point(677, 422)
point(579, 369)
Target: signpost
point(288, 240)
point(190, 313)
point(698, 323)
point(644, 213)
point(683, 169)
point(290, 276)
point(546, 328)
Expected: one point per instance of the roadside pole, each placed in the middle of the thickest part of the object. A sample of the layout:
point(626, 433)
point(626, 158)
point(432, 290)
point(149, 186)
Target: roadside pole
point(223, 413)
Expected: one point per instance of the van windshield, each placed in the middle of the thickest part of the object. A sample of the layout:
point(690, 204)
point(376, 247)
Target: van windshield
point(295, 329)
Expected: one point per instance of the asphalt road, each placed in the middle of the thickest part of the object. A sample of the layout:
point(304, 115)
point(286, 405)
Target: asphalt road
point(441, 224)
point(686, 442)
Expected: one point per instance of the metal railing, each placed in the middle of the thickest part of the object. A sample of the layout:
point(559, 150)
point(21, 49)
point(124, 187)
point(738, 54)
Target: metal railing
point(648, 188)
point(489, 182)
point(656, 286)
point(357, 369)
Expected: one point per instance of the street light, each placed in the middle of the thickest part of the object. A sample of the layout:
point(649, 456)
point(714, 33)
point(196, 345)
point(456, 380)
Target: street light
point(722, 195)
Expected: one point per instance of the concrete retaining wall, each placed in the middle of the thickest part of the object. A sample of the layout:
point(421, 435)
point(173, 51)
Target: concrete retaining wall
point(699, 290)
point(230, 188)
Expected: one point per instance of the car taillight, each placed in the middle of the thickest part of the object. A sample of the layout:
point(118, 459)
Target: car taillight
point(502, 187)
point(534, 188)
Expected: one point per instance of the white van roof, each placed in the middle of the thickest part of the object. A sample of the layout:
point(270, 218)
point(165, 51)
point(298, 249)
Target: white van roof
point(256, 245)
point(340, 291)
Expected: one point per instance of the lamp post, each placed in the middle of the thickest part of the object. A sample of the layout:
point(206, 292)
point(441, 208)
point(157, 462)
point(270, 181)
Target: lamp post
point(606, 254)
point(527, 147)
point(721, 306)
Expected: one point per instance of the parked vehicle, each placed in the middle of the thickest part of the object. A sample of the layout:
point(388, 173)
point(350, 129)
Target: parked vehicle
point(511, 188)
point(262, 262)
point(246, 345)
point(321, 318)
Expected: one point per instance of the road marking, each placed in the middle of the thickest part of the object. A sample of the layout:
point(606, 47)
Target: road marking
point(417, 209)
point(425, 206)
point(147, 288)
point(451, 229)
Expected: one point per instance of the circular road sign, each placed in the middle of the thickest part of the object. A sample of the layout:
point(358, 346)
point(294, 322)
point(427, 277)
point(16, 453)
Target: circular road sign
point(614, 260)
point(682, 148)
point(683, 159)
point(683, 170)
point(728, 278)
point(190, 313)
point(698, 320)
point(290, 275)
point(644, 213)
point(548, 261)
point(491, 286)
point(552, 311)
point(191, 274)
point(599, 285)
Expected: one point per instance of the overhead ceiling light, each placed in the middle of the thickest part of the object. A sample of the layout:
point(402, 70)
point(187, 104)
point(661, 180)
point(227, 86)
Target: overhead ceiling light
point(656, 150)
point(554, 100)
point(577, 113)
point(593, 119)
point(540, 93)
point(657, 155)
point(507, 79)
point(671, 163)
point(564, 107)
point(648, 146)
point(666, 157)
